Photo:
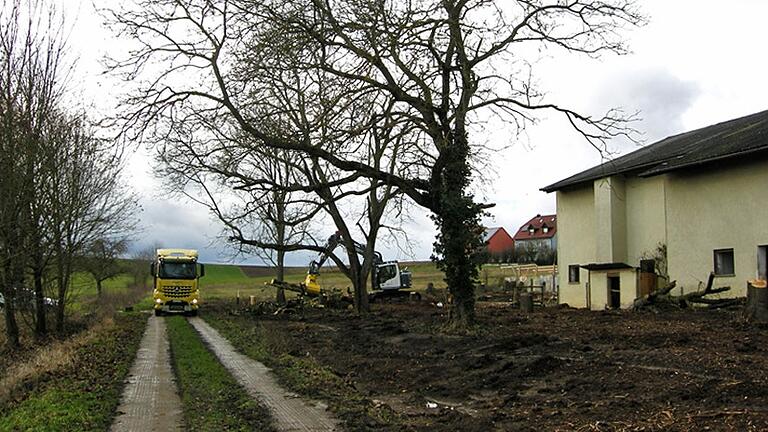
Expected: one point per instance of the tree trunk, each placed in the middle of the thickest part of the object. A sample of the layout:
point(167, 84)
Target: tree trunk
point(458, 219)
point(98, 288)
point(63, 280)
point(11, 325)
point(359, 279)
point(280, 276)
point(40, 307)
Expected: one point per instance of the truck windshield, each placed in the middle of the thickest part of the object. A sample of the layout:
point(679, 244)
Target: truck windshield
point(178, 270)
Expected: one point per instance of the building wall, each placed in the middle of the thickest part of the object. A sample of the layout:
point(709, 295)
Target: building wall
point(692, 212)
point(646, 217)
point(575, 244)
point(610, 219)
point(718, 208)
point(500, 242)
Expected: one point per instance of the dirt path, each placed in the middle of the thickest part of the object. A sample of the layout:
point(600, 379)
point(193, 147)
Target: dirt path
point(290, 412)
point(150, 401)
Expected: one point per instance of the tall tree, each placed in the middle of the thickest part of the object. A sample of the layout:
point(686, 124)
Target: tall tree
point(445, 65)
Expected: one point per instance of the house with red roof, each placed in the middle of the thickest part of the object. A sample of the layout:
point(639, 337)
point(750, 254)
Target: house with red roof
point(536, 238)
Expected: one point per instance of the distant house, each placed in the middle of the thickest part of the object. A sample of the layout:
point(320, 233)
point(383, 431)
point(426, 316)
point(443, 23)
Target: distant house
point(499, 243)
point(700, 195)
point(536, 237)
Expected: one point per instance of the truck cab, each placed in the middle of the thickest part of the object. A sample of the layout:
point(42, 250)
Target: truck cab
point(176, 275)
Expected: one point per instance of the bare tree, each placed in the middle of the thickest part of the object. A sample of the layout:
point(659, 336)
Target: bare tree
point(445, 65)
point(101, 259)
point(31, 74)
point(141, 259)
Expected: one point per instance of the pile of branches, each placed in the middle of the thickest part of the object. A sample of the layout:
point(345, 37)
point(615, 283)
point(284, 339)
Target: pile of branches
point(661, 298)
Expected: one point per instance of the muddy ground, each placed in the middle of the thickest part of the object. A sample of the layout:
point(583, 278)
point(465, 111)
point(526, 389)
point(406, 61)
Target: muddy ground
point(554, 369)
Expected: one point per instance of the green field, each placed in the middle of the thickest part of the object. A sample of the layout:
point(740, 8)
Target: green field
point(225, 281)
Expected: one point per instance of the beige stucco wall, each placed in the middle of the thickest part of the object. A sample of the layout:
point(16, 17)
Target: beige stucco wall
point(610, 220)
point(692, 212)
point(575, 244)
point(718, 208)
point(646, 216)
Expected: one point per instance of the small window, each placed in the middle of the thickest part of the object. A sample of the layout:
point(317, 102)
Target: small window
point(573, 274)
point(545, 229)
point(724, 262)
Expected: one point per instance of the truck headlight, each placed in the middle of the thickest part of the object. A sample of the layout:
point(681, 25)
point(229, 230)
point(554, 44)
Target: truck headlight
point(158, 301)
point(194, 301)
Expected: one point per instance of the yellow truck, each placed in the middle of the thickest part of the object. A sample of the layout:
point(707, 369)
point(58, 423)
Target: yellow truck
point(176, 274)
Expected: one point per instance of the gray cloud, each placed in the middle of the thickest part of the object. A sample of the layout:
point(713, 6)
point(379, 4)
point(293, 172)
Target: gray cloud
point(661, 98)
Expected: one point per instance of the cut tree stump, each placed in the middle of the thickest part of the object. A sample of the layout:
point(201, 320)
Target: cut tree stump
point(526, 302)
point(757, 301)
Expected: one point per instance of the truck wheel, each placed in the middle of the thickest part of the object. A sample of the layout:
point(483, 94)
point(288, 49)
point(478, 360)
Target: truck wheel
point(158, 312)
point(193, 313)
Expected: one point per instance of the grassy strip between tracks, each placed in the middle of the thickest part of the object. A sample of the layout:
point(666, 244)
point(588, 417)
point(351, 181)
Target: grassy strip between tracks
point(82, 390)
point(211, 398)
point(303, 374)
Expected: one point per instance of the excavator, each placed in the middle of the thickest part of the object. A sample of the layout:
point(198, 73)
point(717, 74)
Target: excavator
point(388, 280)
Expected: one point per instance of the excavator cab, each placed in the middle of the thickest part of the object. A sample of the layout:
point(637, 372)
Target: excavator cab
point(389, 277)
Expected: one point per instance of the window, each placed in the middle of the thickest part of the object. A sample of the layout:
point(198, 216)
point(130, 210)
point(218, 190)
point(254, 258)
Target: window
point(573, 274)
point(177, 270)
point(724, 262)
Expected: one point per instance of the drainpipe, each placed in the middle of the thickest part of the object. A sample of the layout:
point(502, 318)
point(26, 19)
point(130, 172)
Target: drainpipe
point(589, 289)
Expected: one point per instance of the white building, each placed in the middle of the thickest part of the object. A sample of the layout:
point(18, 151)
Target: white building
point(702, 194)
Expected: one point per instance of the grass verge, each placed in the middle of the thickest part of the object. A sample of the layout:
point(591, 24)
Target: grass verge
point(82, 390)
point(303, 374)
point(211, 398)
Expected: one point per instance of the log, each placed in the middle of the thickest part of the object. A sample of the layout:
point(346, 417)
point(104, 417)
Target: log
point(757, 301)
point(649, 299)
point(661, 297)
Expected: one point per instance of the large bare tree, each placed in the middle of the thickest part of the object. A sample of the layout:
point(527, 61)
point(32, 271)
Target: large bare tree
point(445, 66)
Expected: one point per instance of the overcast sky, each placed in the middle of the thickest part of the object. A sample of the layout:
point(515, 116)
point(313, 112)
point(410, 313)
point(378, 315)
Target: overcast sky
point(696, 63)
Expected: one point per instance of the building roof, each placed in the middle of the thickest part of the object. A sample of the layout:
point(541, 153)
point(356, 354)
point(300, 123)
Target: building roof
point(537, 224)
point(730, 139)
point(489, 232)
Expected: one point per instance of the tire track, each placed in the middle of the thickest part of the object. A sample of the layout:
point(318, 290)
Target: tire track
point(290, 412)
point(150, 400)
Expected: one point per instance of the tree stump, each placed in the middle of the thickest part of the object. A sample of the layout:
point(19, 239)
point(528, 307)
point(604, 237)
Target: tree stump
point(526, 302)
point(757, 301)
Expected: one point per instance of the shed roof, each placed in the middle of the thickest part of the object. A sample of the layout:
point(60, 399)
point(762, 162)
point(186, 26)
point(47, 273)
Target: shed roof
point(733, 138)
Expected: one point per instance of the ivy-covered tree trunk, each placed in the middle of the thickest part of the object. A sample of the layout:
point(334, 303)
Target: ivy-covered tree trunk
point(458, 220)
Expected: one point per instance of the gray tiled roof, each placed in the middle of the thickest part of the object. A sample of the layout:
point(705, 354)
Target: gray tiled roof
point(725, 140)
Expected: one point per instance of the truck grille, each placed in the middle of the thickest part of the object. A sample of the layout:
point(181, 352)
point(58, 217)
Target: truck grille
point(177, 291)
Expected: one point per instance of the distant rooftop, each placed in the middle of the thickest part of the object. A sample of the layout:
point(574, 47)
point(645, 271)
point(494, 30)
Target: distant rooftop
point(733, 138)
point(539, 227)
